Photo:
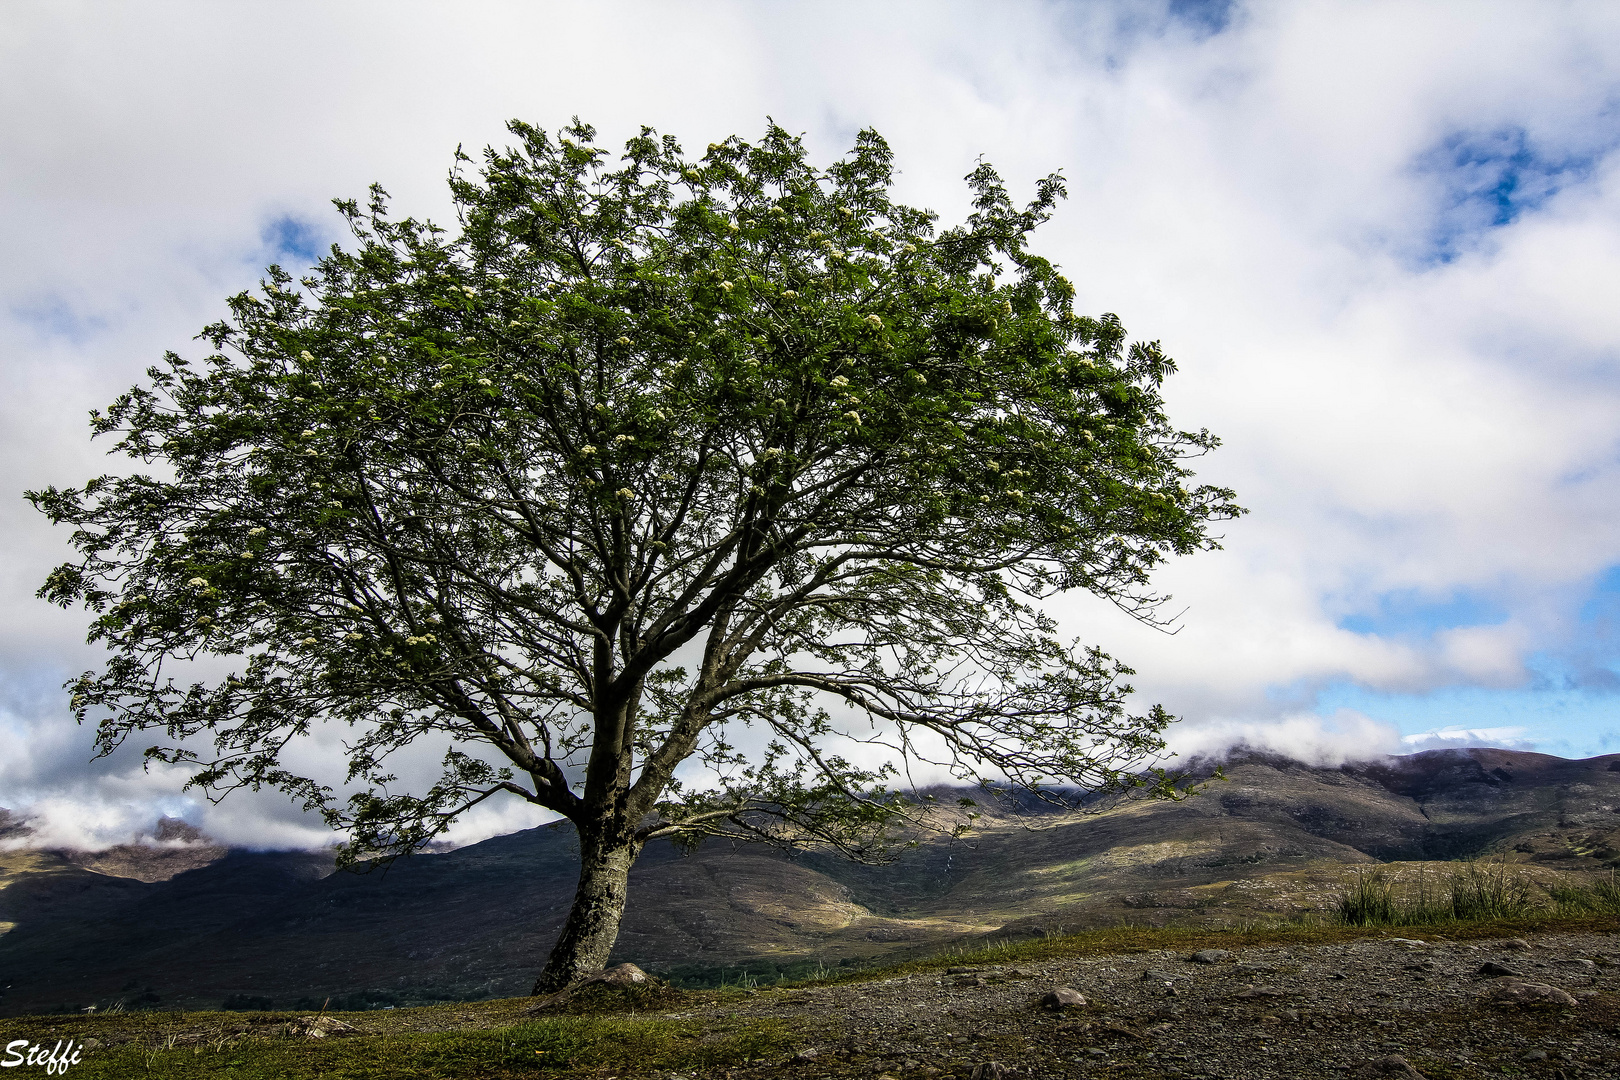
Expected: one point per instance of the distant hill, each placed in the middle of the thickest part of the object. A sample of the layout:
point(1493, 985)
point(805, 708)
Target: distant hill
point(1275, 837)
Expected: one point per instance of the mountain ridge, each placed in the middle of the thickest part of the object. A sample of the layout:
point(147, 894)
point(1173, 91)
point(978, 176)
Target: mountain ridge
point(1274, 838)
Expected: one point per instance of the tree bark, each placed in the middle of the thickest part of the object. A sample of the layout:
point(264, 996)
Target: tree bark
point(593, 922)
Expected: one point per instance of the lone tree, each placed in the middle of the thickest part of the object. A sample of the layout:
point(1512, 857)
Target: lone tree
point(647, 452)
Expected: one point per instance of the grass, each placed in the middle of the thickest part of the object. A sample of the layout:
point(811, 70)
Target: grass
point(1600, 898)
point(497, 1040)
point(183, 1046)
point(1471, 891)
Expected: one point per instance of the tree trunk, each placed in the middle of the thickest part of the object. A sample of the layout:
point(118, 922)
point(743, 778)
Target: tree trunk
point(593, 922)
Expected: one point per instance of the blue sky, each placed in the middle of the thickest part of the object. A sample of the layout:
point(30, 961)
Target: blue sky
point(1382, 240)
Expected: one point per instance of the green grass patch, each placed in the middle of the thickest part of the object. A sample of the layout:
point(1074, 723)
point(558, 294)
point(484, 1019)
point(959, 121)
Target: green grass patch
point(179, 1048)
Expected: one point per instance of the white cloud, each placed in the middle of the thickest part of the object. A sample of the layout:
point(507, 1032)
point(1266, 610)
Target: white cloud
point(1414, 401)
point(1511, 738)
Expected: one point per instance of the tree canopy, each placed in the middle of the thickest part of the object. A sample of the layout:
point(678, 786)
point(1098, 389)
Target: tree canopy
point(647, 451)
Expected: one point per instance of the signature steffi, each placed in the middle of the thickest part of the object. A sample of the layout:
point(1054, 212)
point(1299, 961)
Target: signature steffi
point(56, 1060)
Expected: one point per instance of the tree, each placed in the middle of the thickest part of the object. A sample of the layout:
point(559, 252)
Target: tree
point(646, 452)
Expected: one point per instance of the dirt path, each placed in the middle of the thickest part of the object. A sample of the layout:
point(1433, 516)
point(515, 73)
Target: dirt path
point(1341, 1010)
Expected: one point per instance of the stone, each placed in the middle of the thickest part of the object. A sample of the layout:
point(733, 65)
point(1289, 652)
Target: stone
point(1516, 992)
point(1535, 1055)
point(1515, 943)
point(1063, 997)
point(1259, 992)
point(1577, 964)
point(988, 1070)
point(1498, 971)
point(620, 975)
point(805, 1056)
point(1409, 942)
point(1210, 956)
point(1155, 975)
point(1391, 1066)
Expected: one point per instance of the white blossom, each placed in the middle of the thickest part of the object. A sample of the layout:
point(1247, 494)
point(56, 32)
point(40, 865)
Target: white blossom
point(198, 583)
point(727, 286)
point(353, 636)
point(307, 433)
point(309, 641)
point(247, 554)
point(624, 341)
point(853, 415)
point(484, 382)
point(306, 357)
point(437, 386)
point(874, 321)
point(312, 452)
point(839, 380)
point(587, 449)
point(790, 294)
point(625, 493)
point(204, 620)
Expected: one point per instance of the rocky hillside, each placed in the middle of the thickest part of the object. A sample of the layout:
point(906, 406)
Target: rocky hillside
point(1274, 837)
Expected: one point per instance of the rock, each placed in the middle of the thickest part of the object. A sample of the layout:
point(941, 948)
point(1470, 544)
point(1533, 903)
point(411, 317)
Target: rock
point(1063, 997)
point(1535, 1055)
point(988, 1070)
point(622, 976)
point(971, 980)
point(1392, 1066)
point(1516, 992)
point(1578, 965)
point(1155, 975)
point(1210, 956)
point(1259, 992)
point(1409, 942)
point(1498, 971)
point(805, 1056)
point(1515, 943)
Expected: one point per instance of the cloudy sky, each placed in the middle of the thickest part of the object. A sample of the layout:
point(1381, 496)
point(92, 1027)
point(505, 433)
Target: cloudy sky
point(1381, 239)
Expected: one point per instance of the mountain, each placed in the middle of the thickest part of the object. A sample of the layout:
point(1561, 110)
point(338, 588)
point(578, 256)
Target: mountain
point(1274, 837)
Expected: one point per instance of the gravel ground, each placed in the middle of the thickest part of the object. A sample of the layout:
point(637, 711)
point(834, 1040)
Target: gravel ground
point(1384, 1007)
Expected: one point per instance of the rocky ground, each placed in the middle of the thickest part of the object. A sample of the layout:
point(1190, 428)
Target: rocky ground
point(1546, 1006)
point(1543, 1005)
